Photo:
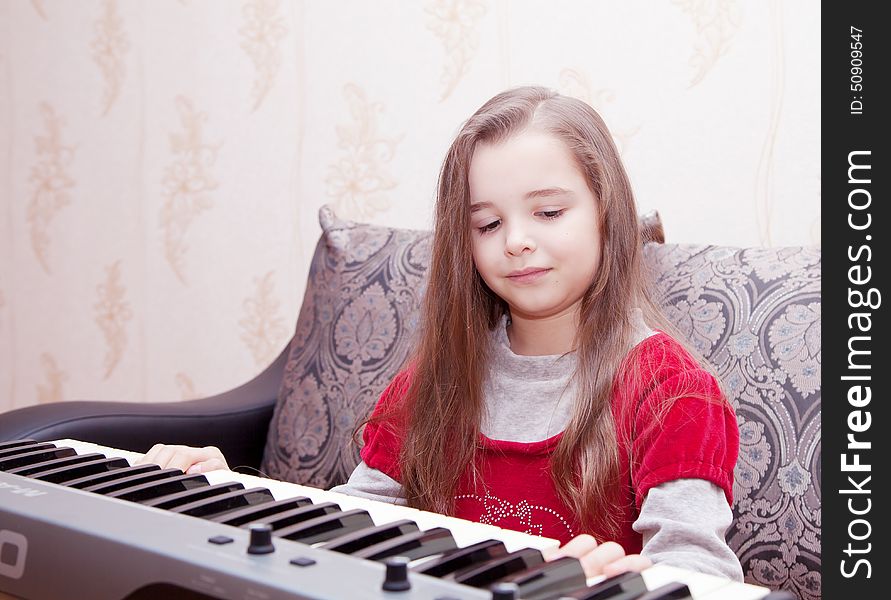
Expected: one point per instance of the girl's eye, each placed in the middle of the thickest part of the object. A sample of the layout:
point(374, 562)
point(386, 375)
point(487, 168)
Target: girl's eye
point(487, 228)
point(551, 214)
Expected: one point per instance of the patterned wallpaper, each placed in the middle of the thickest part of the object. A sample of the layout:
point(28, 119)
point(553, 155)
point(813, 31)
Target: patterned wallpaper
point(162, 163)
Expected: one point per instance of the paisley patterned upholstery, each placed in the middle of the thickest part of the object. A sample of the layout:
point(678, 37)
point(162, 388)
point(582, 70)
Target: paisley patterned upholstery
point(753, 313)
point(360, 307)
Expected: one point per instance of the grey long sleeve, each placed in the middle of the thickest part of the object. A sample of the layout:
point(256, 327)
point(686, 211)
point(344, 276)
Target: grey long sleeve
point(371, 484)
point(683, 524)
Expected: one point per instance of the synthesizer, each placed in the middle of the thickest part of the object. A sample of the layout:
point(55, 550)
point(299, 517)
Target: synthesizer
point(77, 520)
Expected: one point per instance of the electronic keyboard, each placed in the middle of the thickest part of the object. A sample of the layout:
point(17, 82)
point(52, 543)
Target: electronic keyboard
point(78, 521)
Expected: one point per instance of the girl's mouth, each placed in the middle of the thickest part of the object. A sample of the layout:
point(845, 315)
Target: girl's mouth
point(528, 276)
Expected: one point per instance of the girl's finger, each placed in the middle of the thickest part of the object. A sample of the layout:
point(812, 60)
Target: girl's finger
point(213, 456)
point(632, 562)
point(164, 456)
point(577, 547)
point(149, 457)
point(184, 458)
point(212, 464)
point(594, 561)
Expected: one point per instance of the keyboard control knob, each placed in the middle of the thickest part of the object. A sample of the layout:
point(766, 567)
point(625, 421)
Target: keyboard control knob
point(505, 591)
point(261, 539)
point(396, 579)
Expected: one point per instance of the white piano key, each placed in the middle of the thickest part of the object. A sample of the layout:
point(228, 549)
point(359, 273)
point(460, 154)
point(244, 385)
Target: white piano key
point(703, 587)
point(86, 447)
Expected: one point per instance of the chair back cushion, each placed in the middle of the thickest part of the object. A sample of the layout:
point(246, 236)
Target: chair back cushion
point(753, 313)
point(353, 332)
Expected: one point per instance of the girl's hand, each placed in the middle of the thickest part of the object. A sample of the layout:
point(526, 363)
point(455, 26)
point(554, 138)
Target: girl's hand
point(608, 558)
point(185, 458)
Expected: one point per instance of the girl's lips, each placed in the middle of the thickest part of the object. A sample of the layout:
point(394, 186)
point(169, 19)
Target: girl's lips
point(528, 277)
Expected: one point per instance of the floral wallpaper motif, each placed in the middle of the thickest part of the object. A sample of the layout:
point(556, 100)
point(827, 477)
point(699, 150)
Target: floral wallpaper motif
point(187, 183)
point(574, 83)
point(261, 35)
point(263, 327)
point(52, 183)
point(110, 44)
point(454, 23)
point(186, 386)
point(51, 390)
point(716, 23)
point(359, 180)
point(765, 175)
point(112, 314)
point(38, 8)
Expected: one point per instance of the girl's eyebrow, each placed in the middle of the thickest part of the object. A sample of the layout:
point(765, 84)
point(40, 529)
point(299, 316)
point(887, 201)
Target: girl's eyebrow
point(552, 191)
point(543, 193)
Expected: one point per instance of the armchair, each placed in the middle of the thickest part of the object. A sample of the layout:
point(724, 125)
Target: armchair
point(753, 313)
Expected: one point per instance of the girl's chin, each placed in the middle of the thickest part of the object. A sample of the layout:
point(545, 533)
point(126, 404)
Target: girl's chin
point(529, 313)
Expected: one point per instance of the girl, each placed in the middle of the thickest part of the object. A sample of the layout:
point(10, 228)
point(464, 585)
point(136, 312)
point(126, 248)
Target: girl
point(540, 397)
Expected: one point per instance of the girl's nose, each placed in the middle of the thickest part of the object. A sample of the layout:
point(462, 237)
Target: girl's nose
point(518, 241)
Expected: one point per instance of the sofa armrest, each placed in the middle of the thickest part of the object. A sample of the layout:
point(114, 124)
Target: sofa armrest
point(236, 421)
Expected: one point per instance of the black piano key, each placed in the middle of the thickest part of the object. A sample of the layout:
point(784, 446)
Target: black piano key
point(327, 527)
point(549, 579)
point(225, 502)
point(250, 514)
point(34, 456)
point(462, 558)
point(493, 570)
point(126, 482)
point(48, 465)
point(21, 448)
point(356, 540)
point(101, 478)
point(297, 515)
point(15, 444)
point(152, 489)
point(669, 591)
point(625, 586)
point(63, 475)
point(168, 501)
point(413, 546)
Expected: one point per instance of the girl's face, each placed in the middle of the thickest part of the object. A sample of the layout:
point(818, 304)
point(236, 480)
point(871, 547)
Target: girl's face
point(536, 241)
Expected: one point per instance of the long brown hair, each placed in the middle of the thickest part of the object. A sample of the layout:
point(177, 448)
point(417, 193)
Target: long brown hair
point(444, 403)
